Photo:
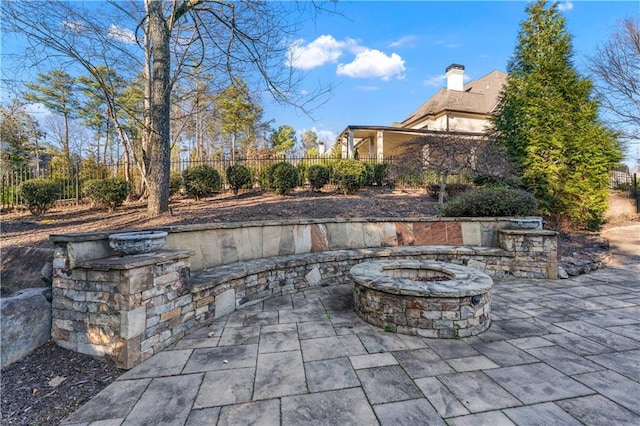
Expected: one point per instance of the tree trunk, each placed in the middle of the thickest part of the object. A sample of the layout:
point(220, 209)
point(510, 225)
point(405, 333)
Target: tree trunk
point(443, 187)
point(157, 144)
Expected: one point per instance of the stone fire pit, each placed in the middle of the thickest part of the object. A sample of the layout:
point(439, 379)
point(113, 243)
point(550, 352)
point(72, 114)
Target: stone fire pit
point(425, 298)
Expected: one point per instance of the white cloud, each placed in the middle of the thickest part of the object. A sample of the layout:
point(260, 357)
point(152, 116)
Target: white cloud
point(326, 136)
point(37, 109)
point(567, 5)
point(446, 44)
point(324, 49)
point(118, 33)
point(405, 41)
point(373, 63)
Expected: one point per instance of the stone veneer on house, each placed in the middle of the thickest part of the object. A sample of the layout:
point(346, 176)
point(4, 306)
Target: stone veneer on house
point(128, 308)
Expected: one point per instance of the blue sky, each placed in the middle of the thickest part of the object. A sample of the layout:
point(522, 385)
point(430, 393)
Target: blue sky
point(386, 58)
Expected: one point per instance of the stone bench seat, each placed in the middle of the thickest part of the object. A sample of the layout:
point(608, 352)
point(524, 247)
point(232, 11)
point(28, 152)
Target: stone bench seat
point(226, 288)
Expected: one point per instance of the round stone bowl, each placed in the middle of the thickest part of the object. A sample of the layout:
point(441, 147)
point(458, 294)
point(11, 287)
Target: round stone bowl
point(138, 242)
point(425, 298)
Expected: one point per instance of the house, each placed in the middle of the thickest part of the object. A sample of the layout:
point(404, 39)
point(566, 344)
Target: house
point(459, 109)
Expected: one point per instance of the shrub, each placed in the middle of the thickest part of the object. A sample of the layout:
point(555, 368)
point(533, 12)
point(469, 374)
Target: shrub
point(348, 175)
point(201, 181)
point(110, 192)
point(493, 201)
point(239, 177)
point(303, 172)
point(175, 183)
point(380, 173)
point(39, 194)
point(282, 177)
point(368, 174)
point(318, 176)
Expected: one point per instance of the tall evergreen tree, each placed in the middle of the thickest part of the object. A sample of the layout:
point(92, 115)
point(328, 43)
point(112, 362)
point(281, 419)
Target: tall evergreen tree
point(548, 121)
point(56, 91)
point(283, 140)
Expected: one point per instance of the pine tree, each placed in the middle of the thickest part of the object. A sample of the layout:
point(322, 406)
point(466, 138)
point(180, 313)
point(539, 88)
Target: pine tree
point(549, 124)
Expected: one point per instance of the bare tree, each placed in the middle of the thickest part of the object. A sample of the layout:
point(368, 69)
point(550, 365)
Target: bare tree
point(167, 41)
point(616, 64)
point(454, 154)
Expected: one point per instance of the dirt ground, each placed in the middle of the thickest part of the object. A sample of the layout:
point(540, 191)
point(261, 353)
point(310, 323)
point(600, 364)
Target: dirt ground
point(22, 229)
point(46, 386)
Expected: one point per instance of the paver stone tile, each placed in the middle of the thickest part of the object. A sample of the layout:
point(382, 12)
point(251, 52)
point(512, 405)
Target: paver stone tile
point(166, 363)
point(563, 360)
point(471, 363)
point(204, 417)
point(626, 363)
point(387, 384)
point(263, 413)
point(536, 383)
point(604, 337)
point(225, 387)
point(381, 342)
point(222, 358)
point(543, 414)
point(315, 329)
point(260, 318)
point(279, 374)
point(340, 407)
point(492, 418)
point(232, 336)
point(279, 303)
point(529, 327)
point(420, 363)
point(631, 331)
point(477, 392)
point(279, 342)
point(531, 342)
point(330, 374)
point(597, 410)
point(115, 401)
point(409, 413)
point(614, 386)
point(372, 360)
point(331, 347)
point(166, 400)
point(451, 348)
point(577, 344)
point(440, 397)
point(504, 354)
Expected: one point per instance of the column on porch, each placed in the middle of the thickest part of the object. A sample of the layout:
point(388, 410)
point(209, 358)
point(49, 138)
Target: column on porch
point(380, 145)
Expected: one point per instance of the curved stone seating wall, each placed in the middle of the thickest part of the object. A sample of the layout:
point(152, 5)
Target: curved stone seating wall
point(130, 308)
point(217, 244)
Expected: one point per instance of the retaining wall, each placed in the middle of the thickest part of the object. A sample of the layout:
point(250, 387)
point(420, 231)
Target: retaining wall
point(128, 308)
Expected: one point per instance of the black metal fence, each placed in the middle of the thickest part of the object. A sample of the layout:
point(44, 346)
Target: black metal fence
point(403, 174)
point(627, 183)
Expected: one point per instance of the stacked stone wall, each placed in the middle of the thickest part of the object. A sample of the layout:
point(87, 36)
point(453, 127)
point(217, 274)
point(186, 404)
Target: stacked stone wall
point(122, 308)
point(128, 308)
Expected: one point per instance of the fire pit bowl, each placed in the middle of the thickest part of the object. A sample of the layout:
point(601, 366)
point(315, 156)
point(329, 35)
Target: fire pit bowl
point(137, 243)
point(425, 298)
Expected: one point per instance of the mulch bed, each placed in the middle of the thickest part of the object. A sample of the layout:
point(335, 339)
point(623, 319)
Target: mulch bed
point(50, 384)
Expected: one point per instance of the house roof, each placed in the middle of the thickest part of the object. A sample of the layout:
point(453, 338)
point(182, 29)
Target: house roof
point(479, 96)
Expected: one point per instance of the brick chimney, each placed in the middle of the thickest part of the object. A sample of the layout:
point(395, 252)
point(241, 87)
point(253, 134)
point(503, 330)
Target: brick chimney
point(455, 77)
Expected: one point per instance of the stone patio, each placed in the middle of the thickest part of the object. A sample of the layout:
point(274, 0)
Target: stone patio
point(558, 352)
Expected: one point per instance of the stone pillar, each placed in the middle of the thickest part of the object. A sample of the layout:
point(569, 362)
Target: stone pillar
point(124, 308)
point(380, 145)
point(535, 252)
